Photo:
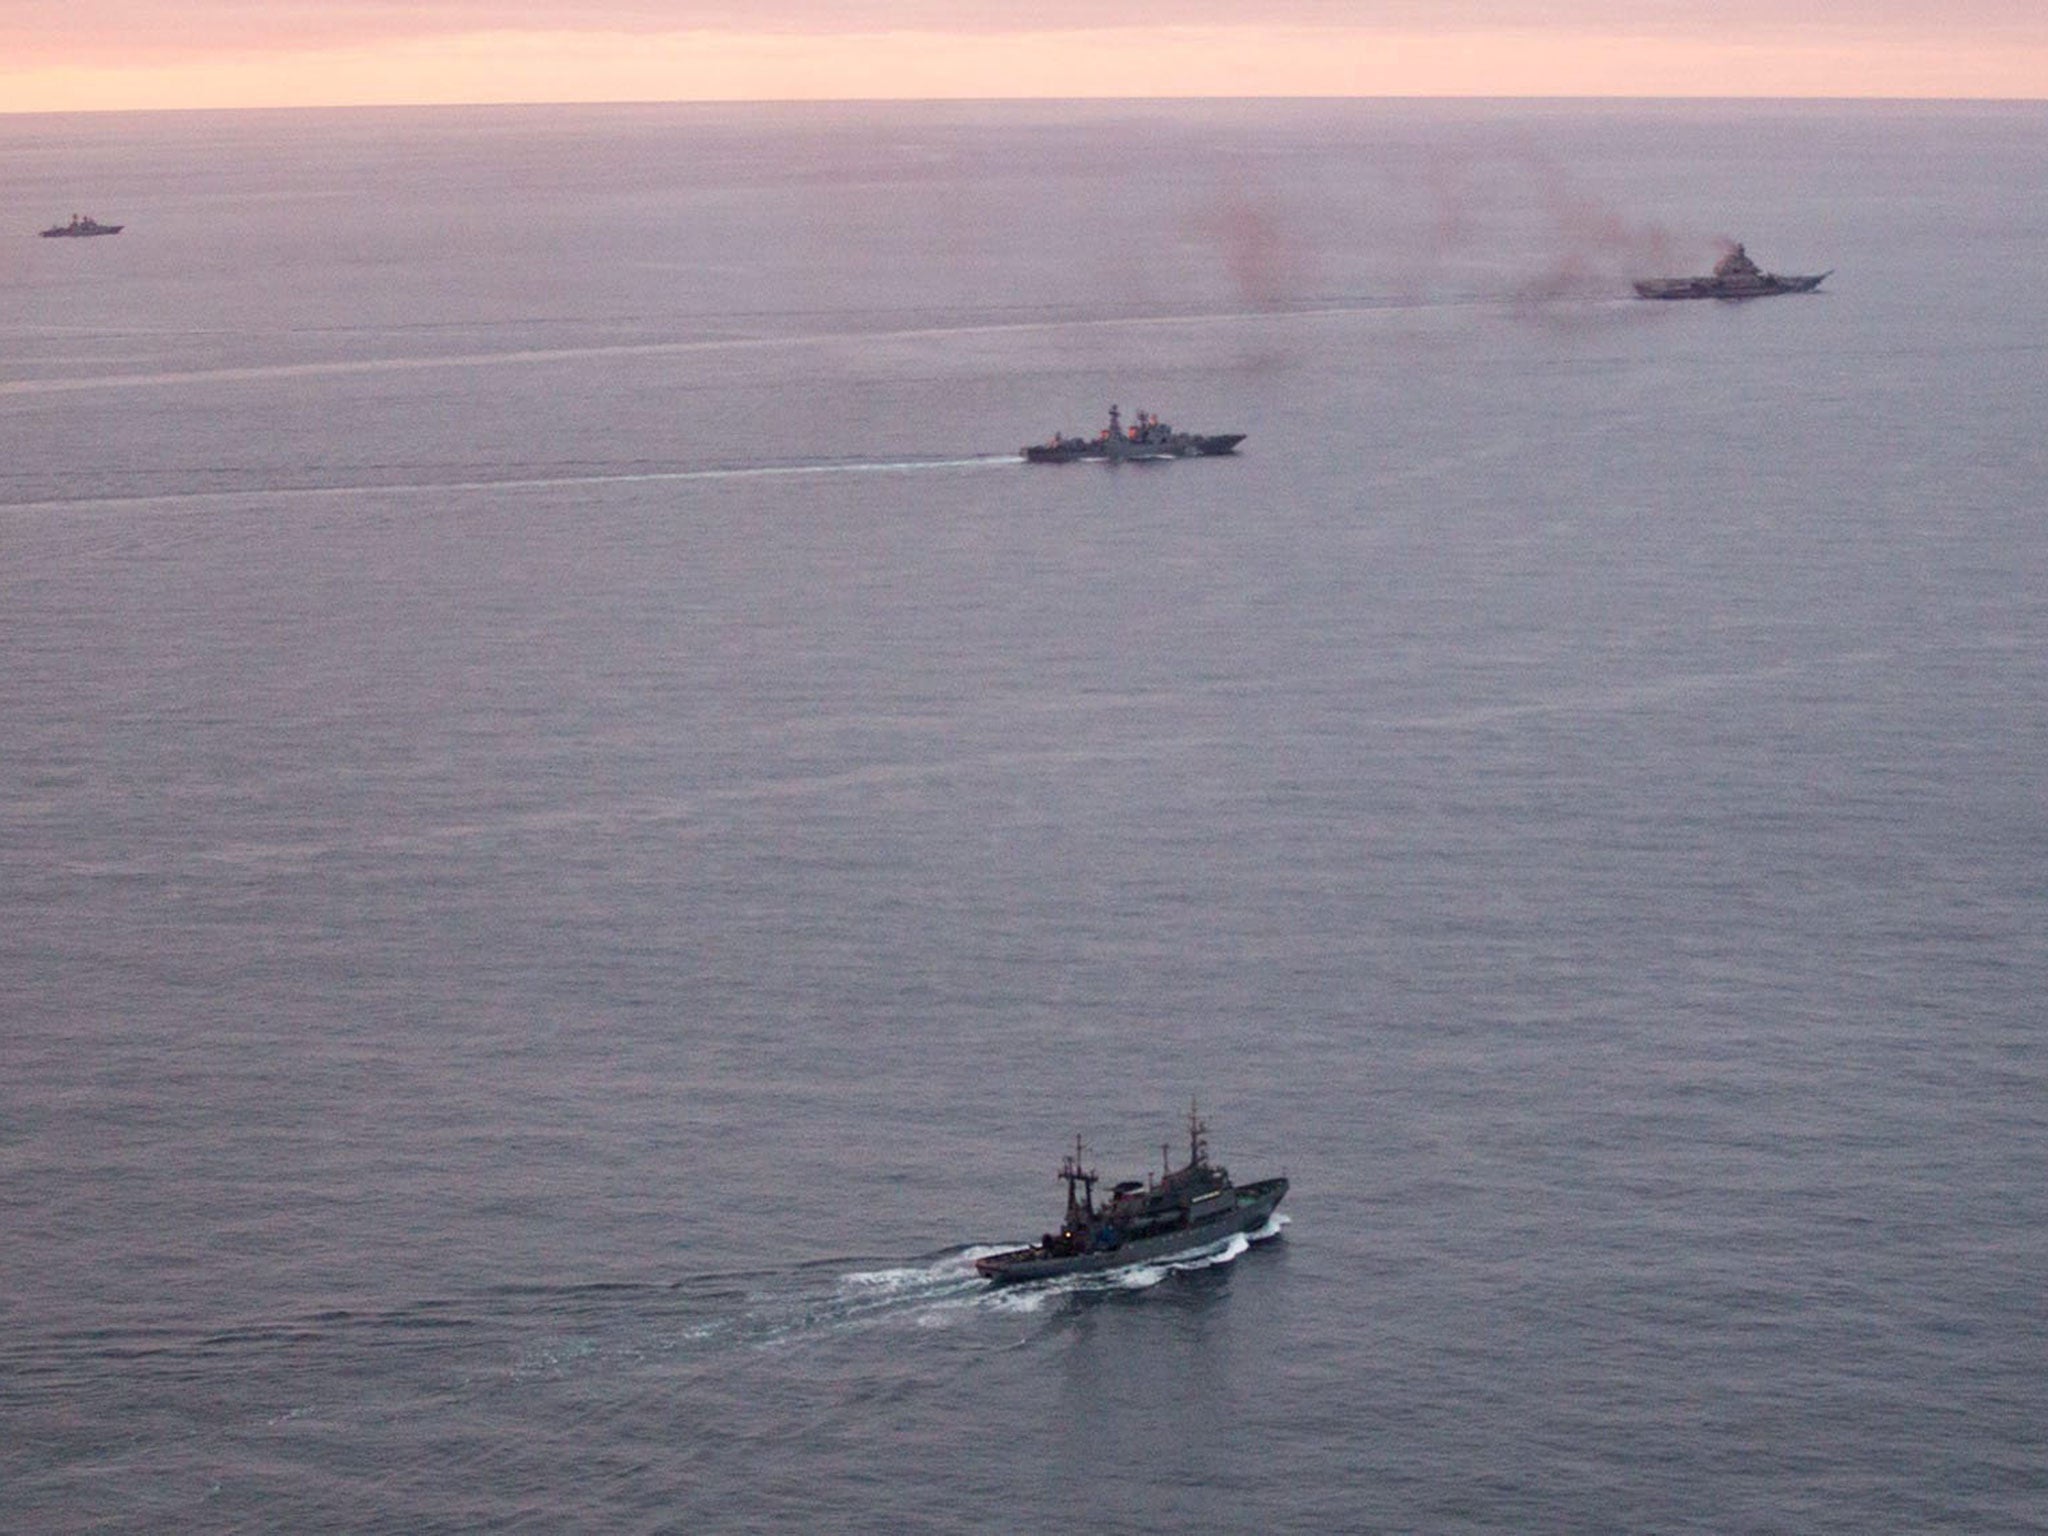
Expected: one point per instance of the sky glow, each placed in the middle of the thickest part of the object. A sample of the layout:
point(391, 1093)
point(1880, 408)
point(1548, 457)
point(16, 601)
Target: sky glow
point(62, 55)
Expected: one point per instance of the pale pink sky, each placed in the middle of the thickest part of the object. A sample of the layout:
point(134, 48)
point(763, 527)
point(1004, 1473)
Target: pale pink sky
point(59, 55)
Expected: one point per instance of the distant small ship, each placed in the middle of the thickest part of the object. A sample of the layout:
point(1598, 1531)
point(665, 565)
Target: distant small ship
point(80, 227)
point(1186, 1211)
point(1735, 276)
point(1151, 438)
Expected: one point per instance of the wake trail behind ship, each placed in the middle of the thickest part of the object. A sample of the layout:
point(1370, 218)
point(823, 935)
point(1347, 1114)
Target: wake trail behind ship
point(531, 482)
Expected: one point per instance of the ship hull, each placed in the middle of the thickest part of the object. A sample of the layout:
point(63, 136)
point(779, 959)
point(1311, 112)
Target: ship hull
point(1065, 452)
point(1182, 445)
point(82, 232)
point(1768, 286)
point(1252, 1209)
point(1151, 439)
point(1173, 445)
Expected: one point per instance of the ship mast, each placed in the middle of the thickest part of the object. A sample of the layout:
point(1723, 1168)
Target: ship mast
point(1071, 1170)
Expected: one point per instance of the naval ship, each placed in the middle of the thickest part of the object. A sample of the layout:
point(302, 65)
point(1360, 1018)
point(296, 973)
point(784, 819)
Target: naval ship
point(1735, 276)
point(1149, 438)
point(1176, 1215)
point(80, 227)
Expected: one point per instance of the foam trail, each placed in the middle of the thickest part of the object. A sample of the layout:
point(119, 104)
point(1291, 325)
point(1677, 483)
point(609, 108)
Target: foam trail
point(256, 373)
point(1228, 1253)
point(1024, 1299)
point(932, 1293)
point(950, 1269)
point(1142, 1277)
point(525, 483)
point(1139, 1277)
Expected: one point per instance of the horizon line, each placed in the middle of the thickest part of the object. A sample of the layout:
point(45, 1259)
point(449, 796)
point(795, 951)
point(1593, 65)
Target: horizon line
point(635, 103)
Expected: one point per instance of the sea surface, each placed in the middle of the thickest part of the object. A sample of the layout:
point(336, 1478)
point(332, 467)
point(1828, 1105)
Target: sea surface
point(578, 834)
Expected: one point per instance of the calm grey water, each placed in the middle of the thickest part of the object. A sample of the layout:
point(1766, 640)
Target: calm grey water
point(577, 834)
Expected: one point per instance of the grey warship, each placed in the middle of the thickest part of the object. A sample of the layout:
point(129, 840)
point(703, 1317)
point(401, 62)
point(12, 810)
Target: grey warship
point(82, 226)
point(1182, 1212)
point(1735, 276)
point(1149, 438)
